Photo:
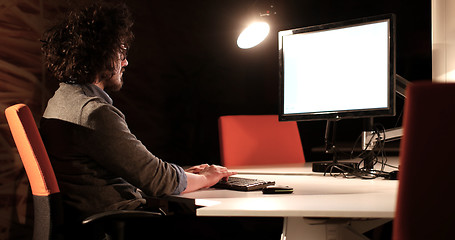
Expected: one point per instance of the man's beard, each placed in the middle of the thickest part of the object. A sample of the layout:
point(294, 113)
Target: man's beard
point(113, 84)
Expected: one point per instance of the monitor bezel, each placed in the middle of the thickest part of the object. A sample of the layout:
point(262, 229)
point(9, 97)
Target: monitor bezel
point(390, 110)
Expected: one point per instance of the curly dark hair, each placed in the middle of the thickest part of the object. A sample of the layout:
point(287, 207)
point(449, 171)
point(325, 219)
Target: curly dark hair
point(87, 42)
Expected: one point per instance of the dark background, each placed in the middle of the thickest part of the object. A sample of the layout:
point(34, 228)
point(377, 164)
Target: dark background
point(185, 69)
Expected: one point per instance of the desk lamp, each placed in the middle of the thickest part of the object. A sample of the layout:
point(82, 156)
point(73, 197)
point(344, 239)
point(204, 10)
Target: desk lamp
point(257, 31)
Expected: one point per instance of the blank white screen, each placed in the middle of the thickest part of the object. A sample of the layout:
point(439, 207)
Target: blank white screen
point(336, 70)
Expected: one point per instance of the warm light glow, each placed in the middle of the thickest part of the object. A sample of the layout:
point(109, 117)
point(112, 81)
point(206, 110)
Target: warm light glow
point(450, 75)
point(254, 34)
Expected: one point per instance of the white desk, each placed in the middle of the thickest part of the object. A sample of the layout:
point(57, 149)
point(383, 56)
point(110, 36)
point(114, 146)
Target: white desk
point(321, 207)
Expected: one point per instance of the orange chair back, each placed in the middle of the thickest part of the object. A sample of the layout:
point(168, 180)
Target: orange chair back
point(425, 203)
point(31, 150)
point(247, 140)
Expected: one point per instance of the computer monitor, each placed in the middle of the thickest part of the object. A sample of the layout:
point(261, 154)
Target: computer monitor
point(338, 70)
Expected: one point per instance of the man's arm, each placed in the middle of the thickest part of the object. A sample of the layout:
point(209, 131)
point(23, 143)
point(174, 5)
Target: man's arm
point(207, 177)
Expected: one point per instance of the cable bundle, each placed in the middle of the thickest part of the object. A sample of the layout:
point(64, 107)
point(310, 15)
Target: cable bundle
point(369, 159)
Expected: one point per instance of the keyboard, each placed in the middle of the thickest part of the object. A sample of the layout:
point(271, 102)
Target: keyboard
point(243, 184)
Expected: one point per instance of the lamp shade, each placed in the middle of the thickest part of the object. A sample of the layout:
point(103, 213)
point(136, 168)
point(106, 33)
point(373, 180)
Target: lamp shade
point(254, 34)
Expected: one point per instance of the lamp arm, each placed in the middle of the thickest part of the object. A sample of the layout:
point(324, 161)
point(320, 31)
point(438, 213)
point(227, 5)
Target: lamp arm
point(370, 138)
point(400, 85)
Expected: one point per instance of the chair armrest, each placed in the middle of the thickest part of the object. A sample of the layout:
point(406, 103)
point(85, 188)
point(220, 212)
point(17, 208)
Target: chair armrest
point(121, 215)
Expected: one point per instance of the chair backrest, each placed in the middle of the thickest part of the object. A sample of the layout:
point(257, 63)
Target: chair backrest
point(46, 194)
point(247, 140)
point(425, 203)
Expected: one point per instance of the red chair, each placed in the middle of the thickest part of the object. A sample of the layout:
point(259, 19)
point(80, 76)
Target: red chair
point(258, 140)
point(425, 204)
point(48, 211)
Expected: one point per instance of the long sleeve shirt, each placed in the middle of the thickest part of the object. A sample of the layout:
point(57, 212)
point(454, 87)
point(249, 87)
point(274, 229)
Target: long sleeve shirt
point(100, 165)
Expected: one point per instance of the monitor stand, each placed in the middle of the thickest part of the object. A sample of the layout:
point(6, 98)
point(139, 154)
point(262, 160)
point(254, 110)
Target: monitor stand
point(368, 156)
point(368, 142)
point(330, 148)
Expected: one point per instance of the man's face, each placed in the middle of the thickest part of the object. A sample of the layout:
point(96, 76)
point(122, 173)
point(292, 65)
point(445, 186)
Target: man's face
point(115, 83)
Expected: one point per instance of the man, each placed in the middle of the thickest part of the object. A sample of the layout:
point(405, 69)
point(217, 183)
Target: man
point(99, 163)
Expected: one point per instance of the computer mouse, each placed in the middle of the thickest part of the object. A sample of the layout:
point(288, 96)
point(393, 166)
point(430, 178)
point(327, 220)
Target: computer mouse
point(277, 189)
point(393, 175)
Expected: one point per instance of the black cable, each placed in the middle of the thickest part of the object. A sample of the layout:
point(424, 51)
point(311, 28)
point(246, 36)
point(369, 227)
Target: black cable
point(376, 155)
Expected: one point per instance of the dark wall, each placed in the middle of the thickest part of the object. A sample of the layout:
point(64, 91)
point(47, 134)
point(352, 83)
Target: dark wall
point(185, 69)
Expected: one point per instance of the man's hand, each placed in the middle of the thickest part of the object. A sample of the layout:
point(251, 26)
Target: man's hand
point(196, 169)
point(214, 173)
point(204, 175)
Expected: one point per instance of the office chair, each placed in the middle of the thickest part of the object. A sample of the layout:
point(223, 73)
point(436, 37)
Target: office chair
point(425, 203)
point(48, 210)
point(258, 140)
